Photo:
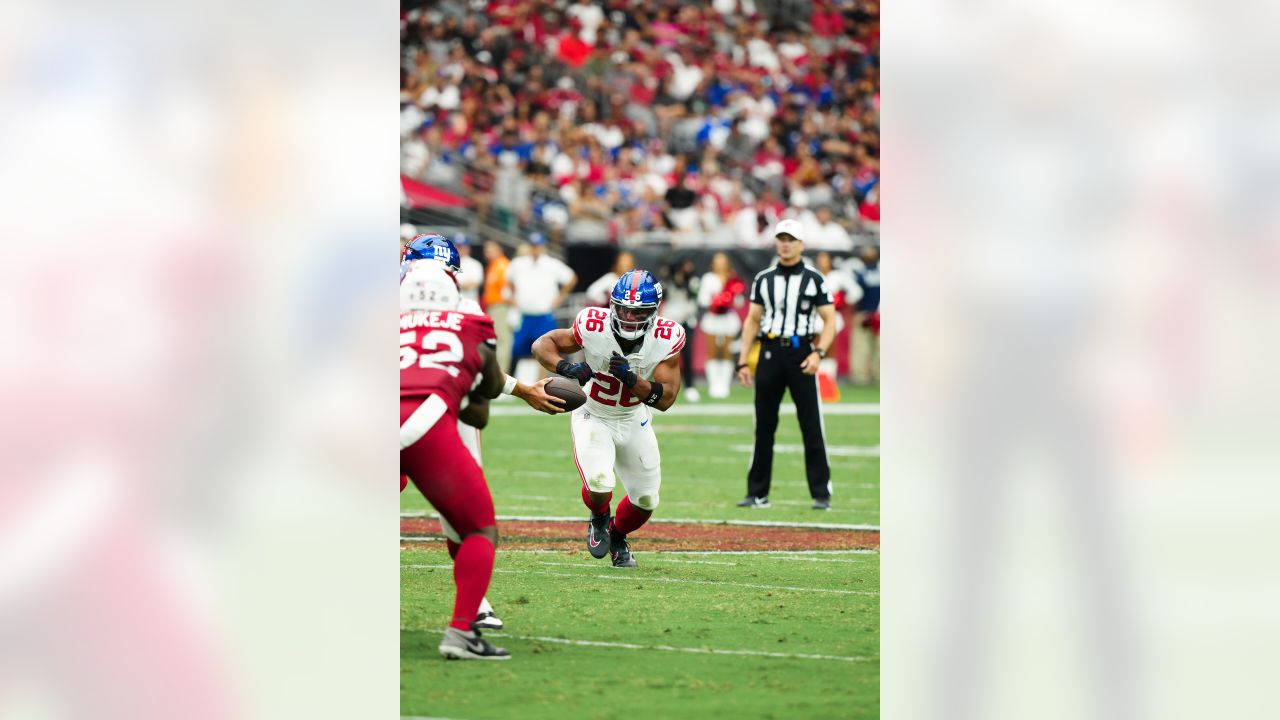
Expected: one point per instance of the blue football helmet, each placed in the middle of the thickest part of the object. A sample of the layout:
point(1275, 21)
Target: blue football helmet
point(633, 305)
point(431, 246)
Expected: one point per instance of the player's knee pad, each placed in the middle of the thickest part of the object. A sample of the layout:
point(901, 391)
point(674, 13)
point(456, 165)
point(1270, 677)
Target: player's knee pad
point(601, 482)
point(648, 503)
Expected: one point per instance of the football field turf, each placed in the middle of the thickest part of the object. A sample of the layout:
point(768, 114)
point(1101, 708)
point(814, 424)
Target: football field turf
point(760, 634)
point(528, 461)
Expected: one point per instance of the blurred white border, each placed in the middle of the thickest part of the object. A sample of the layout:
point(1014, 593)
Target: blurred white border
point(197, 514)
point(1079, 476)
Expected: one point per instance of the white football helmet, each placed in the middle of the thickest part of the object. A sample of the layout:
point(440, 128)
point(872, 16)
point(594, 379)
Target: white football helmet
point(428, 286)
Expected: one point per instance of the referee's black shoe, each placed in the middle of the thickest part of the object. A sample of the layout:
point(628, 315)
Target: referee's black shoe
point(752, 501)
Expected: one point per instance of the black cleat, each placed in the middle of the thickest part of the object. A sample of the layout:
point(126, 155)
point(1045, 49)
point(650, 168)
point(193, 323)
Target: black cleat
point(457, 646)
point(620, 551)
point(598, 536)
point(823, 504)
point(752, 501)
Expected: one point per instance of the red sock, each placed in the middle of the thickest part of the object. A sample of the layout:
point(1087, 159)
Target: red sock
point(471, 572)
point(404, 482)
point(601, 509)
point(629, 518)
point(453, 548)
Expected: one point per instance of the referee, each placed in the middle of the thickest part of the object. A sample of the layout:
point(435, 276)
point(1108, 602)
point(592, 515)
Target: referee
point(784, 299)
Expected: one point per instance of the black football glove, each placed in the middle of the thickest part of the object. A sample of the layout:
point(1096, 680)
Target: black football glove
point(621, 369)
point(577, 371)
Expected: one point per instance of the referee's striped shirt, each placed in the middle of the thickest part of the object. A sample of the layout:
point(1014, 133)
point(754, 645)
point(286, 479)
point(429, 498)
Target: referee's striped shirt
point(790, 297)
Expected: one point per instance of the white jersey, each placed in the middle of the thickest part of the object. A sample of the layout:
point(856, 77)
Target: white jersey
point(606, 395)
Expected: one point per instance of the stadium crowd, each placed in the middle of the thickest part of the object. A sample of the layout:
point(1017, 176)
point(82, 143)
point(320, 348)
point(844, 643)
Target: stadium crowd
point(608, 120)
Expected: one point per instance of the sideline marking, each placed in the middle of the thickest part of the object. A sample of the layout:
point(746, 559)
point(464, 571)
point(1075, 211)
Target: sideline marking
point(627, 577)
point(721, 409)
point(669, 521)
point(670, 648)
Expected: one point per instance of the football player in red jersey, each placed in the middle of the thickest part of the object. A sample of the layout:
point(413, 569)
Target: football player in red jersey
point(433, 248)
point(445, 357)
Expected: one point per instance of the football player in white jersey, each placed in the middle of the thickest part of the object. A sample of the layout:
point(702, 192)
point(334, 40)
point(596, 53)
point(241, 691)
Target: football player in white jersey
point(474, 415)
point(632, 364)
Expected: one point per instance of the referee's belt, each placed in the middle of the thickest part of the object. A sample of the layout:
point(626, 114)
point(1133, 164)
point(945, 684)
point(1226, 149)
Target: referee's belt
point(794, 341)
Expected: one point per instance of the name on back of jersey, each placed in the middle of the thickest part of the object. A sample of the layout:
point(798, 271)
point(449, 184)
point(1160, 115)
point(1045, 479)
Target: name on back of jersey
point(445, 319)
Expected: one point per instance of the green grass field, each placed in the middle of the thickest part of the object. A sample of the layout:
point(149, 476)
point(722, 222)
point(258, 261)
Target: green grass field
point(686, 634)
point(529, 465)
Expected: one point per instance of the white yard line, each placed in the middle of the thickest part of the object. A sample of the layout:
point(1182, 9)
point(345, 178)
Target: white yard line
point(652, 558)
point(670, 648)
point(702, 429)
point(796, 555)
point(783, 554)
point(689, 503)
point(629, 577)
point(671, 521)
point(810, 559)
point(693, 409)
point(832, 450)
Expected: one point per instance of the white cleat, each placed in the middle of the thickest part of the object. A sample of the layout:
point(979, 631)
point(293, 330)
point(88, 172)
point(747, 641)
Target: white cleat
point(487, 621)
point(459, 645)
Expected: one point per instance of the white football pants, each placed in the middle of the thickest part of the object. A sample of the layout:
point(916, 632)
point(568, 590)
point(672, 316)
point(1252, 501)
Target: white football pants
point(625, 448)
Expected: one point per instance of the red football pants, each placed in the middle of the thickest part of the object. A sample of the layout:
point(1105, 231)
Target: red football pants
point(441, 467)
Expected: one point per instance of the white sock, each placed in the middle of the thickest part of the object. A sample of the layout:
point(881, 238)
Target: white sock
point(720, 386)
point(485, 607)
point(527, 371)
point(713, 377)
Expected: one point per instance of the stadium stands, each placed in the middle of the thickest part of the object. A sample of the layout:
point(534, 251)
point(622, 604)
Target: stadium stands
point(635, 123)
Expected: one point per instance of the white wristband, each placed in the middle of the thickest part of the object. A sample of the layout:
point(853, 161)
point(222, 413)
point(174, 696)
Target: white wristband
point(509, 386)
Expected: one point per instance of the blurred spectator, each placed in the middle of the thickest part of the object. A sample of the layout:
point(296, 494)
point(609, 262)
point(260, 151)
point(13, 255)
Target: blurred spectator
point(679, 304)
point(843, 288)
point(680, 213)
point(605, 120)
point(720, 294)
point(496, 299)
point(443, 94)
point(865, 350)
point(471, 276)
point(589, 17)
point(598, 292)
point(539, 284)
point(826, 233)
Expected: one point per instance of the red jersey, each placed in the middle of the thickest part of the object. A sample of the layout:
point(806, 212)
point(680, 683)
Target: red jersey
point(439, 353)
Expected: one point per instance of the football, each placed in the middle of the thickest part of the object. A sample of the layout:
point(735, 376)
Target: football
point(567, 390)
